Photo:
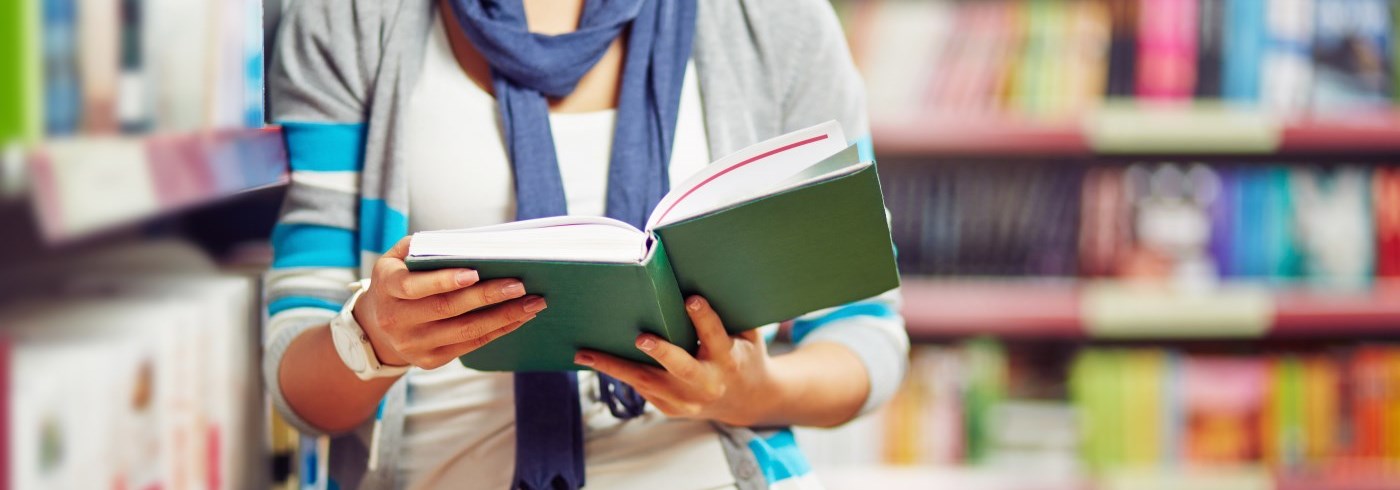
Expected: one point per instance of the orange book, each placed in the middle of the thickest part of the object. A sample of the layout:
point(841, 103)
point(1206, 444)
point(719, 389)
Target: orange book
point(1224, 399)
point(1391, 373)
point(1368, 404)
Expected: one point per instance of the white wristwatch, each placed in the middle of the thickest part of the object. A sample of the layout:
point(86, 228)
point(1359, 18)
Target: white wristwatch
point(353, 345)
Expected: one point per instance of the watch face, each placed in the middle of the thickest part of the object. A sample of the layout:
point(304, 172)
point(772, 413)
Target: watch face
point(348, 346)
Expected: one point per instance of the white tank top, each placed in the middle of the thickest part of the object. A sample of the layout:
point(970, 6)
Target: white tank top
point(459, 428)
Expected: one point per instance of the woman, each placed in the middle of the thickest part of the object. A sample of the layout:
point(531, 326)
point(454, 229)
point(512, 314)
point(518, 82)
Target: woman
point(430, 114)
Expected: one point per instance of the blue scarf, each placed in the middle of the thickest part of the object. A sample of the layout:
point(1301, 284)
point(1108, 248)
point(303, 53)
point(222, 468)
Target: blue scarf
point(526, 68)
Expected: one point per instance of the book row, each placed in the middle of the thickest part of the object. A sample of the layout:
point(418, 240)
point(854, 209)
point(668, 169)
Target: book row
point(1317, 411)
point(1335, 225)
point(1094, 410)
point(1059, 58)
point(131, 66)
point(133, 368)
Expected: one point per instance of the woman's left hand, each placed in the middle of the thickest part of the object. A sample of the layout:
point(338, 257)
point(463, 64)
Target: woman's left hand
point(729, 381)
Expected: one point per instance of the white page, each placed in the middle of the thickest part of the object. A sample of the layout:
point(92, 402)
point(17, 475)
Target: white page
point(567, 238)
point(748, 173)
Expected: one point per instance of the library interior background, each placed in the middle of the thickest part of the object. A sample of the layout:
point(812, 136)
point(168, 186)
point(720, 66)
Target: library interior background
point(1143, 244)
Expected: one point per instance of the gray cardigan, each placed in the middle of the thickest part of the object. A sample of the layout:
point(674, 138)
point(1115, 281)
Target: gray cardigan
point(765, 67)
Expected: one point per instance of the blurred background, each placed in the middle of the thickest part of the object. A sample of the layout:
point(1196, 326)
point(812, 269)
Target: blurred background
point(1145, 244)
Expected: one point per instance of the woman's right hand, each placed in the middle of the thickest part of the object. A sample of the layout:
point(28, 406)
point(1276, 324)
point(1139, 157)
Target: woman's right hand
point(430, 318)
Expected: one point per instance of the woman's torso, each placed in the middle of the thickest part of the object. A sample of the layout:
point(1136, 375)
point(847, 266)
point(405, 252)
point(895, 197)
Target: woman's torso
point(459, 425)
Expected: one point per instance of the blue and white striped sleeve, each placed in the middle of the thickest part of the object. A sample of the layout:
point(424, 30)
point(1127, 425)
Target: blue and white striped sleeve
point(315, 96)
point(874, 331)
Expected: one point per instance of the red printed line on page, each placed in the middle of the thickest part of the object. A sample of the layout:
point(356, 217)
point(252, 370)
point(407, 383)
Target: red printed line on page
point(731, 168)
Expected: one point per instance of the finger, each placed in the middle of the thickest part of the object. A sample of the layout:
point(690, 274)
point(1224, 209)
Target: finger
point(676, 360)
point(714, 340)
point(752, 335)
point(463, 348)
point(400, 249)
point(642, 377)
point(461, 301)
point(403, 284)
point(469, 326)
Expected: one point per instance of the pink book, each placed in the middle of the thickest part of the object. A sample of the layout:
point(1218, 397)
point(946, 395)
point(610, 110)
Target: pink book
point(1166, 68)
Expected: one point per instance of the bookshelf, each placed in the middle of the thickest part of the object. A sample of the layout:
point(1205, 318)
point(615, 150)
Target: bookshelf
point(138, 186)
point(1373, 135)
point(1096, 199)
point(80, 187)
point(1231, 478)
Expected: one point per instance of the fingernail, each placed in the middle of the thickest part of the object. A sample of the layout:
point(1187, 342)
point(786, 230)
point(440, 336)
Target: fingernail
point(693, 304)
point(583, 359)
point(513, 289)
point(534, 304)
point(466, 276)
point(646, 344)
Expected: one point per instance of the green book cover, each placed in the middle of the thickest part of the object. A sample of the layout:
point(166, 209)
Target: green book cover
point(819, 244)
point(592, 305)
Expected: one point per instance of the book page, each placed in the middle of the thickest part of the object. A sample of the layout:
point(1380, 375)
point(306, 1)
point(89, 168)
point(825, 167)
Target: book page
point(560, 238)
point(749, 173)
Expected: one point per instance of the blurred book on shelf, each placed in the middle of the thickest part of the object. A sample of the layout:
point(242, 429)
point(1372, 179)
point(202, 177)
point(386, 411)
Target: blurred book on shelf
point(1122, 417)
point(1193, 224)
point(139, 372)
point(1061, 59)
point(129, 109)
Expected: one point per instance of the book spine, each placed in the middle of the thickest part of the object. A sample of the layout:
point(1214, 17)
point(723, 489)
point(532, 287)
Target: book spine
point(98, 54)
point(1385, 184)
point(1287, 64)
point(1166, 49)
point(62, 96)
point(132, 104)
point(1243, 50)
point(253, 62)
point(1351, 55)
point(1210, 44)
point(19, 74)
point(670, 304)
point(1122, 48)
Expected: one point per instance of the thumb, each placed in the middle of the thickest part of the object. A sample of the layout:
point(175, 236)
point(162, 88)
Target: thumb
point(400, 249)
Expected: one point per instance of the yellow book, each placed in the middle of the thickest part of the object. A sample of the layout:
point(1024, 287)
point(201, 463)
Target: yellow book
point(1391, 448)
point(1321, 410)
point(1142, 386)
point(1270, 418)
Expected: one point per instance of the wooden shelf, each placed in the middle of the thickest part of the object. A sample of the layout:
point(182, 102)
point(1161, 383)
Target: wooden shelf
point(1137, 131)
point(978, 137)
point(85, 186)
point(1068, 309)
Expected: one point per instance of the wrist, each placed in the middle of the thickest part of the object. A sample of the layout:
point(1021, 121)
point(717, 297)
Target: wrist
point(386, 355)
point(778, 394)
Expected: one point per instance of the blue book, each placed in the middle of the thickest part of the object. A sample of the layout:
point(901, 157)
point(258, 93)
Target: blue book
point(253, 112)
point(1222, 222)
point(1243, 50)
point(1280, 251)
point(1351, 55)
point(1247, 246)
point(62, 96)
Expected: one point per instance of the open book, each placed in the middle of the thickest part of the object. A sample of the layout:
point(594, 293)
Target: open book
point(781, 228)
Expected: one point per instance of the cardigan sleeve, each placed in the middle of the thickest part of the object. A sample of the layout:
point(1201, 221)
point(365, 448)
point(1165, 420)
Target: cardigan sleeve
point(316, 88)
point(821, 83)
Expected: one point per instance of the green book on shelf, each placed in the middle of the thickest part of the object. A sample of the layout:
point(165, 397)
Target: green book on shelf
point(785, 227)
point(19, 71)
